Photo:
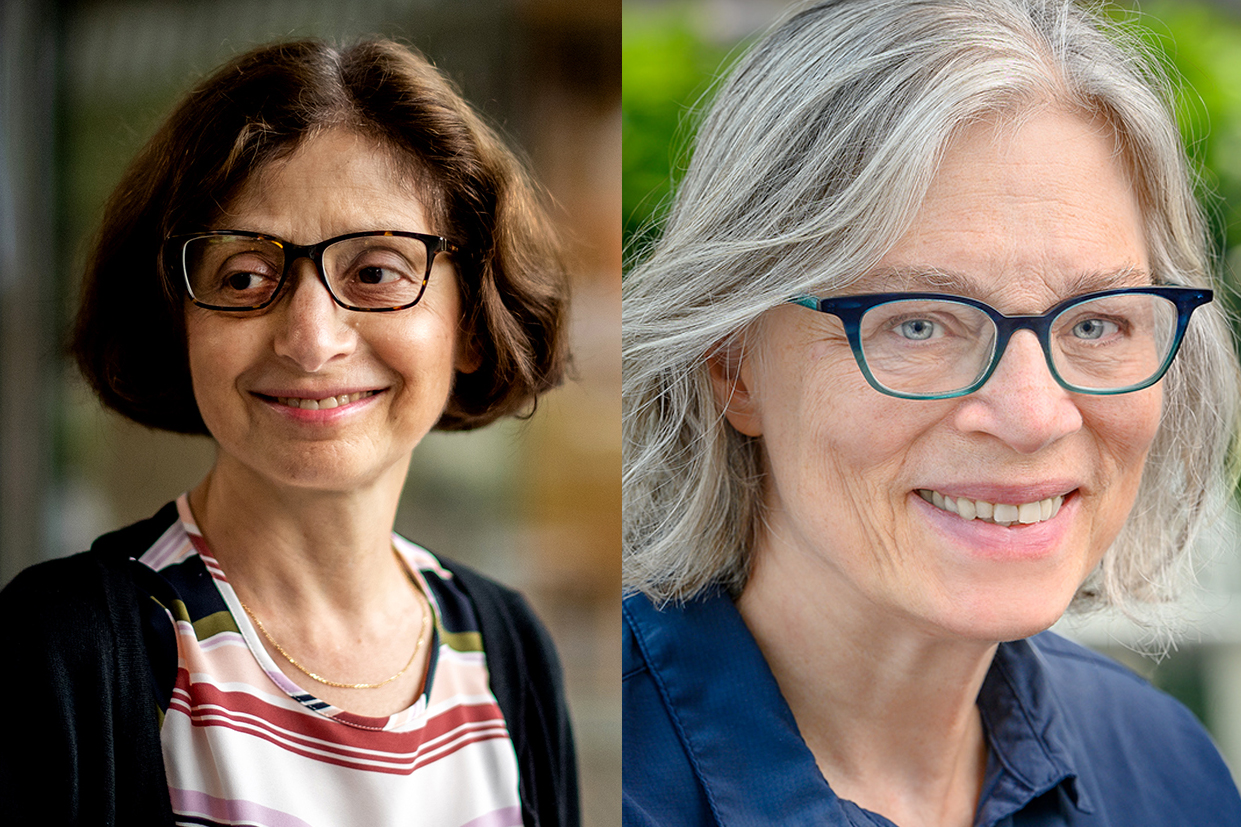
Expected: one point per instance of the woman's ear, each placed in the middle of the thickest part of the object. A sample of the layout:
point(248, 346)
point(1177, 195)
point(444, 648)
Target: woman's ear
point(732, 380)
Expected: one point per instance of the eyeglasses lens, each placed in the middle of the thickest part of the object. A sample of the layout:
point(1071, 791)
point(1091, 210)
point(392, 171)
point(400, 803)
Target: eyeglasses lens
point(934, 348)
point(927, 347)
point(368, 272)
point(376, 271)
point(1113, 342)
point(232, 271)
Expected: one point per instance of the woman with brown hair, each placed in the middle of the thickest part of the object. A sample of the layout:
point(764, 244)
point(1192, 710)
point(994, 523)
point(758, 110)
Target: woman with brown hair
point(322, 255)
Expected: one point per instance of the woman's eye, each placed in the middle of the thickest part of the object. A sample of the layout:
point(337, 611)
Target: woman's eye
point(243, 273)
point(242, 281)
point(378, 275)
point(378, 267)
point(917, 330)
point(1093, 329)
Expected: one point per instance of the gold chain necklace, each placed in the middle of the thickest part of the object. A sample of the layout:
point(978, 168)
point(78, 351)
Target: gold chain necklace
point(423, 603)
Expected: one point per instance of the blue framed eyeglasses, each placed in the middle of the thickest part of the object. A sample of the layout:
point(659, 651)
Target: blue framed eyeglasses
point(934, 346)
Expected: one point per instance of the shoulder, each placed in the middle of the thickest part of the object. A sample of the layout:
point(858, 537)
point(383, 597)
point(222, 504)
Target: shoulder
point(41, 587)
point(82, 580)
point(87, 720)
point(652, 666)
point(633, 664)
point(71, 608)
point(647, 716)
point(487, 601)
point(517, 646)
point(526, 678)
point(665, 695)
point(1094, 688)
point(503, 613)
point(472, 602)
point(682, 639)
point(62, 606)
point(1149, 756)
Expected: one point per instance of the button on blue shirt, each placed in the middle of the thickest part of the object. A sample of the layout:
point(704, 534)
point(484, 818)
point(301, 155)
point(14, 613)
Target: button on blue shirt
point(1074, 738)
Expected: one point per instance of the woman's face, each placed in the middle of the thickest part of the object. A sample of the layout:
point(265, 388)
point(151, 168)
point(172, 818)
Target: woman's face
point(252, 374)
point(1020, 217)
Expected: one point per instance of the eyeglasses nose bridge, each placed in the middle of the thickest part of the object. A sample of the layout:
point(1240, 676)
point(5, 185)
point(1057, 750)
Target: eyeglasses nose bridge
point(312, 252)
point(1034, 324)
point(1007, 327)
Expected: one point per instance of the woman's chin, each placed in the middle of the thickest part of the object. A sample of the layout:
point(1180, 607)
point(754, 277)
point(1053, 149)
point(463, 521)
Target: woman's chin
point(313, 468)
point(992, 613)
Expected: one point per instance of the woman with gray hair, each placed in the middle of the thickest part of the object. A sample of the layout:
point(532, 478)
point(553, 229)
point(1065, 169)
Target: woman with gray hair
point(902, 386)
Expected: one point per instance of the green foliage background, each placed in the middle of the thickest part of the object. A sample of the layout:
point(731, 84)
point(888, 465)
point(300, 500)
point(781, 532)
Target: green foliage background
point(667, 67)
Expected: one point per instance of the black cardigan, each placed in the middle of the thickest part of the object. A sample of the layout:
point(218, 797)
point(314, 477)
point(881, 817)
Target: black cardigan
point(81, 736)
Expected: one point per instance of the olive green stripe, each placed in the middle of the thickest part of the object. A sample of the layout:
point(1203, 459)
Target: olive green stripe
point(179, 613)
point(213, 624)
point(462, 641)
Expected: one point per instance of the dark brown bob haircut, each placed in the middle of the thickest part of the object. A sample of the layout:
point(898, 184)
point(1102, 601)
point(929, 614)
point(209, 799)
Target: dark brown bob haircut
point(129, 338)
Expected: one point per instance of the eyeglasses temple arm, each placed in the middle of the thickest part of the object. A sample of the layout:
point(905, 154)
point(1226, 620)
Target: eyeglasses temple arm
point(811, 302)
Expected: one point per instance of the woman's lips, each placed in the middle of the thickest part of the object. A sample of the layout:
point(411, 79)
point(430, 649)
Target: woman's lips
point(1004, 514)
point(1003, 540)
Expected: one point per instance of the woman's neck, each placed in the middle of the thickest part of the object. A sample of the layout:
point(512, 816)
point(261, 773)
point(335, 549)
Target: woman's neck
point(888, 710)
point(318, 570)
point(296, 550)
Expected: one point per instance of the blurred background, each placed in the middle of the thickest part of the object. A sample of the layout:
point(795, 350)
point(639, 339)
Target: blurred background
point(673, 51)
point(534, 503)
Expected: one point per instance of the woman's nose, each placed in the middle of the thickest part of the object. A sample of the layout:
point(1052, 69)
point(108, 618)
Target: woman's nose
point(1022, 404)
point(311, 328)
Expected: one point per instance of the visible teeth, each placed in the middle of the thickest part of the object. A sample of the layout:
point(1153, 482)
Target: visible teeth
point(325, 403)
point(1028, 513)
point(1004, 514)
point(966, 508)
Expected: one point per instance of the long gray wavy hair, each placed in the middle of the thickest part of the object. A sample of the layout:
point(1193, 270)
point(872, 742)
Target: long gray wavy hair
point(810, 164)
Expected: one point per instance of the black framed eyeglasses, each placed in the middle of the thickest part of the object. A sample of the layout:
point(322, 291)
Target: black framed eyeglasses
point(934, 346)
point(238, 271)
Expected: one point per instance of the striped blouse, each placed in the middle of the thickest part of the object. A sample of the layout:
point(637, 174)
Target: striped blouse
point(245, 745)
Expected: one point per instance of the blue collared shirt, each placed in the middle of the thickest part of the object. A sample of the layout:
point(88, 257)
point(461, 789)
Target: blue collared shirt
point(1074, 738)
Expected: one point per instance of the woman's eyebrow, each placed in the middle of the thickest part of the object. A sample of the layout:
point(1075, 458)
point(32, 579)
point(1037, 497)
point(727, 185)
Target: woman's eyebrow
point(1110, 279)
point(917, 278)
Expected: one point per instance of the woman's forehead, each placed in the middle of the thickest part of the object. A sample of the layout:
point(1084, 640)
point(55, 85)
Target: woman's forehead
point(1042, 200)
point(333, 182)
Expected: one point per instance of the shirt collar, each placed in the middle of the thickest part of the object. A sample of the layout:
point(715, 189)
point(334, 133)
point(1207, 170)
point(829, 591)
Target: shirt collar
point(732, 718)
point(1030, 739)
point(730, 714)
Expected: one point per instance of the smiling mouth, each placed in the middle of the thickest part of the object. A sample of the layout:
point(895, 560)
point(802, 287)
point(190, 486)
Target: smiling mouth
point(1004, 514)
point(324, 403)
